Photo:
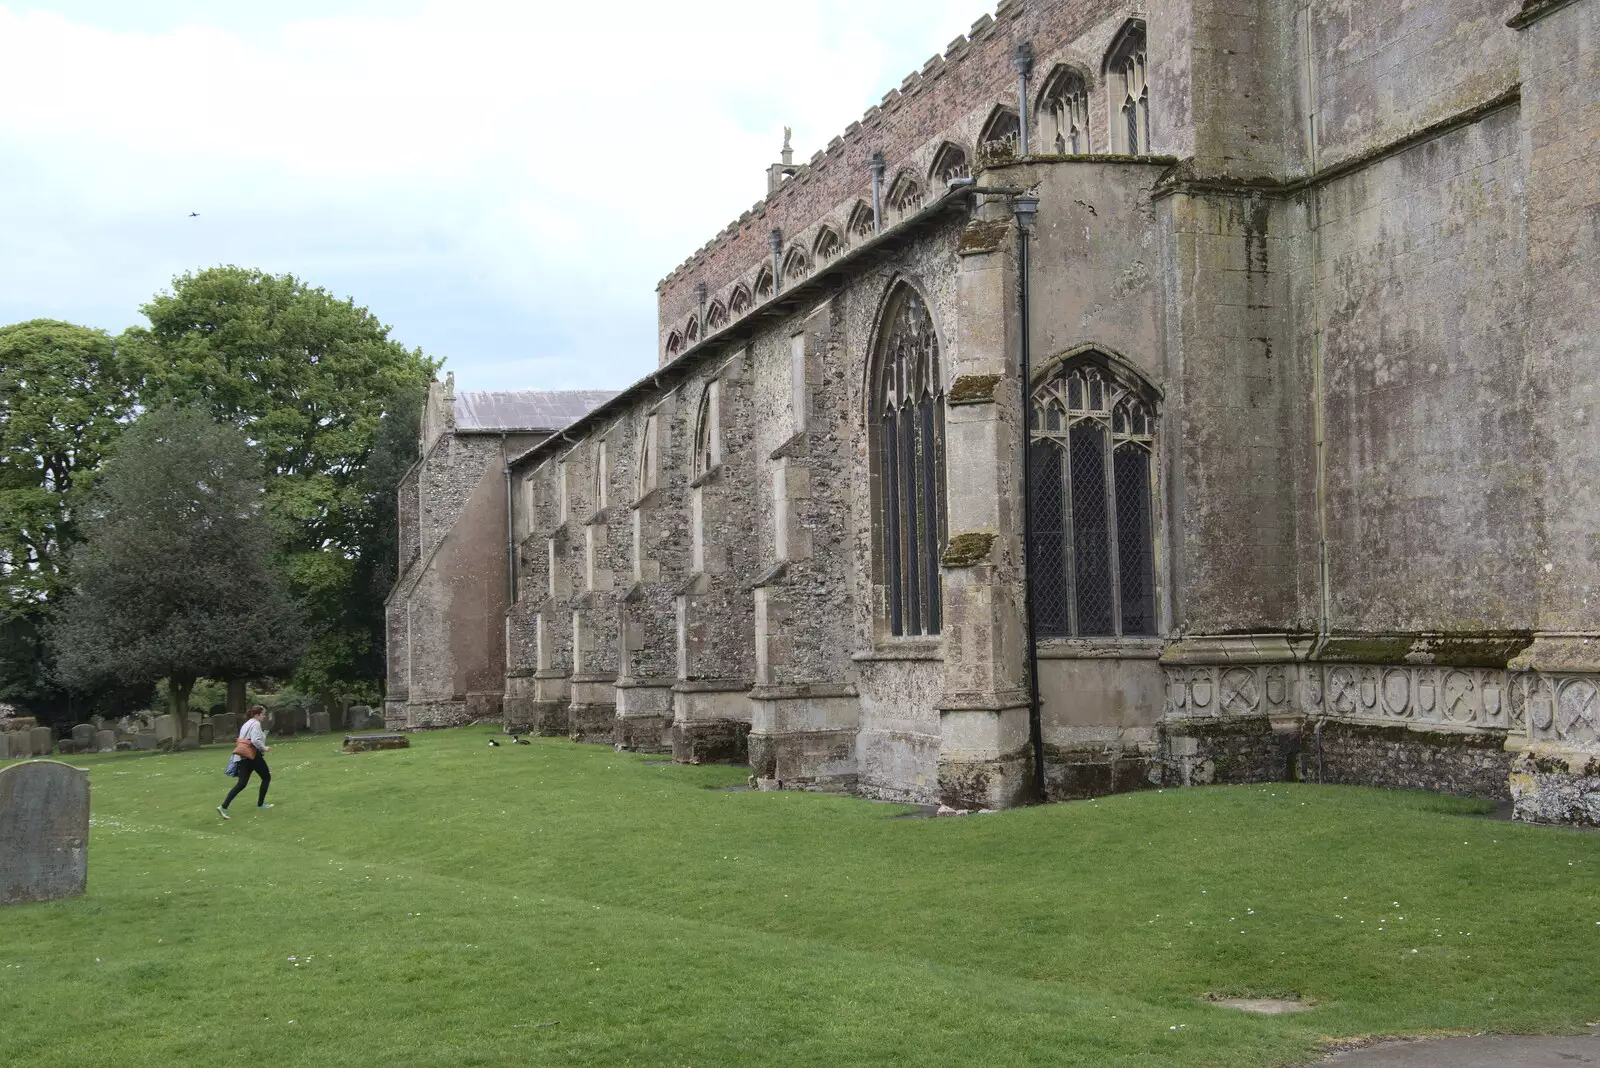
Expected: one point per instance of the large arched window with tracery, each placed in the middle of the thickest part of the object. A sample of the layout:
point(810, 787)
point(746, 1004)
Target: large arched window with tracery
point(1093, 441)
point(908, 452)
point(1128, 79)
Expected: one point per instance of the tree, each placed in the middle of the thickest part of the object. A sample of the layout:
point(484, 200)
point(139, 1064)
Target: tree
point(176, 578)
point(308, 378)
point(65, 395)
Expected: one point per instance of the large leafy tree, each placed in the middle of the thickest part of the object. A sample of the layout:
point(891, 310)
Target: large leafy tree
point(308, 378)
point(176, 576)
point(65, 394)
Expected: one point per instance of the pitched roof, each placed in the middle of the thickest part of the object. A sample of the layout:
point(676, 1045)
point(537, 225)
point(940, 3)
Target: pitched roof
point(487, 411)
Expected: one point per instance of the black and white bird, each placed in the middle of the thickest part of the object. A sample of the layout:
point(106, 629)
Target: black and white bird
point(515, 740)
point(494, 743)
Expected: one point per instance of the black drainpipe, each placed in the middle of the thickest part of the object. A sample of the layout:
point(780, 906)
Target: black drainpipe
point(1022, 63)
point(876, 165)
point(775, 243)
point(1025, 207)
point(511, 528)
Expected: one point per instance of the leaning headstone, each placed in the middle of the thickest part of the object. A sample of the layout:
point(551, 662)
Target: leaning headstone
point(41, 741)
point(83, 737)
point(362, 743)
point(207, 734)
point(166, 728)
point(144, 739)
point(319, 722)
point(44, 831)
point(105, 741)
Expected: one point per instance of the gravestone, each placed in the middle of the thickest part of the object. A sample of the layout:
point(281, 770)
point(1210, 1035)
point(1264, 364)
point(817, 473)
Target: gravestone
point(166, 729)
point(360, 718)
point(319, 723)
point(362, 743)
point(281, 721)
point(225, 727)
point(143, 739)
point(105, 741)
point(208, 734)
point(336, 717)
point(5, 746)
point(190, 741)
point(83, 737)
point(44, 831)
point(41, 741)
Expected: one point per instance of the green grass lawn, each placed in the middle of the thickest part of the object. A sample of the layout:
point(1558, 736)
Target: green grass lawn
point(456, 904)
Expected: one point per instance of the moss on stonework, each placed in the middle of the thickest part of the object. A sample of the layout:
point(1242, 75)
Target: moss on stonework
point(965, 550)
point(972, 389)
point(1414, 734)
point(1446, 650)
point(983, 235)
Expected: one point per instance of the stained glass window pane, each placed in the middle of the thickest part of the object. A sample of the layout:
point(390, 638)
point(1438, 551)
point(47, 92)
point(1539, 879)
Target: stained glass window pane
point(930, 515)
point(1135, 551)
point(908, 516)
point(1091, 540)
point(891, 520)
point(1049, 581)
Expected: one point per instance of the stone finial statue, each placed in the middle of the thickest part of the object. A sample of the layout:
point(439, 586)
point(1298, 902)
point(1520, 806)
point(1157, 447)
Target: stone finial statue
point(788, 153)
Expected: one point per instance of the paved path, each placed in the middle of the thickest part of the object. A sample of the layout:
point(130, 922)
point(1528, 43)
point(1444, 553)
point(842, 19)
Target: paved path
point(1488, 1051)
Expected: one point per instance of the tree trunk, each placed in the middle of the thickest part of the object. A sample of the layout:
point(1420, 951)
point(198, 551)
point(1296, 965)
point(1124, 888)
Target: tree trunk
point(236, 698)
point(180, 689)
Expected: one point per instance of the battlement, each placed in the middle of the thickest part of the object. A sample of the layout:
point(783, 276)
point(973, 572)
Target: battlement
point(929, 127)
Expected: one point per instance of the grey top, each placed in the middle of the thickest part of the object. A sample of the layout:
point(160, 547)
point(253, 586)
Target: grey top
point(525, 409)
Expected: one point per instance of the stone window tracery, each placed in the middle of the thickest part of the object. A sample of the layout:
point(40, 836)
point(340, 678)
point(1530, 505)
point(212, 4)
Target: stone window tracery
point(907, 424)
point(646, 480)
point(707, 437)
point(691, 330)
point(1065, 112)
point(860, 227)
point(1127, 78)
point(716, 316)
point(949, 163)
point(764, 284)
point(827, 245)
point(905, 194)
point(1092, 436)
point(739, 302)
point(795, 265)
point(674, 344)
point(1000, 133)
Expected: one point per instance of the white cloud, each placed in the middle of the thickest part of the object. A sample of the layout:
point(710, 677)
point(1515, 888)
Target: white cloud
point(503, 182)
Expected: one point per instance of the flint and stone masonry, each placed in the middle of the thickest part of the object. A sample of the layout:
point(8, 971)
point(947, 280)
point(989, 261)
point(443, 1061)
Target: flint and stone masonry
point(1311, 293)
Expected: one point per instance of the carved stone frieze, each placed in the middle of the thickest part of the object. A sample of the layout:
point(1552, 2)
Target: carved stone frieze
point(1559, 709)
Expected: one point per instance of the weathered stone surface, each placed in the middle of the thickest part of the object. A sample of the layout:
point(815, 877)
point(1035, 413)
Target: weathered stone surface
point(224, 727)
point(207, 733)
point(144, 740)
point(362, 743)
point(83, 736)
point(319, 722)
point(166, 728)
point(44, 831)
point(5, 745)
point(1556, 787)
point(105, 741)
point(41, 741)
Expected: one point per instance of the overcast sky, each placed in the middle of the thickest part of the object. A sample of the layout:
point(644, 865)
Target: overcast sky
point(501, 183)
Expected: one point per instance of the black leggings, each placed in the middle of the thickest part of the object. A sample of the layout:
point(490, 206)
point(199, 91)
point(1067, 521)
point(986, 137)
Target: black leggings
point(246, 766)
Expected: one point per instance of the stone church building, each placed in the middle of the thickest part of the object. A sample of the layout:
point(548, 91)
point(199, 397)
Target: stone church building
point(1140, 394)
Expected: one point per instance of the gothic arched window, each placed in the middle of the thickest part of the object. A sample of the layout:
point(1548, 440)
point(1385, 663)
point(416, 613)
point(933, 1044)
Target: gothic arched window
point(905, 194)
point(707, 440)
point(1064, 109)
point(1127, 78)
point(860, 227)
point(674, 344)
point(691, 329)
point(826, 246)
point(739, 302)
point(795, 265)
point(1093, 441)
point(949, 163)
point(1001, 131)
point(764, 284)
point(907, 419)
point(716, 316)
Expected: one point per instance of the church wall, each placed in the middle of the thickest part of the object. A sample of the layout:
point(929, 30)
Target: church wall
point(1431, 500)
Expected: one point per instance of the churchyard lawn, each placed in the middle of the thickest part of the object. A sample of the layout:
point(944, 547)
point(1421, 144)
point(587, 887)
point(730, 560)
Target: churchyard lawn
point(556, 904)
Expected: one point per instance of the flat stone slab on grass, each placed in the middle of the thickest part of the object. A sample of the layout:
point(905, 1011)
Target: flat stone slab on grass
point(1483, 1051)
point(1264, 1006)
point(44, 831)
point(363, 743)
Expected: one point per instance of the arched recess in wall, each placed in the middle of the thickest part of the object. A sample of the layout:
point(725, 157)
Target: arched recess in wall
point(905, 194)
point(691, 330)
point(763, 284)
point(1063, 111)
point(706, 437)
point(1127, 79)
point(906, 428)
point(716, 316)
point(949, 163)
point(826, 246)
point(1092, 432)
point(674, 343)
point(739, 300)
point(860, 226)
point(796, 264)
point(1000, 131)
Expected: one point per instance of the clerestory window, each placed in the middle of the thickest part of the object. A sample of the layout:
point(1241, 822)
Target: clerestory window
point(1065, 112)
point(908, 455)
point(1128, 79)
point(1093, 442)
